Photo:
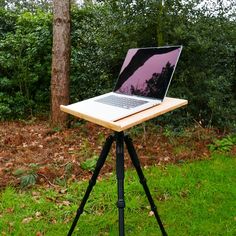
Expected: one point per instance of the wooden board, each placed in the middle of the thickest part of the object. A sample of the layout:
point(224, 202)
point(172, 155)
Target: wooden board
point(169, 104)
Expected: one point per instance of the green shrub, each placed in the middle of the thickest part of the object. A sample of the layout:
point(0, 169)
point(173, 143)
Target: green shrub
point(101, 35)
point(25, 65)
point(223, 145)
point(90, 163)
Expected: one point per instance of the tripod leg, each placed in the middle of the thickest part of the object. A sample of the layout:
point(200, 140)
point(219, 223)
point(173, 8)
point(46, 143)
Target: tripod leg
point(92, 182)
point(120, 180)
point(136, 163)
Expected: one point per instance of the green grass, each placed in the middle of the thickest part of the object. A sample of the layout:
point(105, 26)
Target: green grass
point(196, 198)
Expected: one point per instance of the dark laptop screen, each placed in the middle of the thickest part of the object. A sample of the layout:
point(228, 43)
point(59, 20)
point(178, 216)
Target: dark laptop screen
point(147, 71)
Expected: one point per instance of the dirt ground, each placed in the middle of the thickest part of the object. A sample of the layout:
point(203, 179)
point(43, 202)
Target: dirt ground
point(58, 155)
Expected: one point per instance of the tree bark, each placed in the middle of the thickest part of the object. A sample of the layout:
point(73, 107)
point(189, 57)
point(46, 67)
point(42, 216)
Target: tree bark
point(60, 61)
point(160, 38)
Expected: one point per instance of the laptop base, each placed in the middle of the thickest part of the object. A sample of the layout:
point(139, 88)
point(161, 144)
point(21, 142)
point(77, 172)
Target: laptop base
point(120, 139)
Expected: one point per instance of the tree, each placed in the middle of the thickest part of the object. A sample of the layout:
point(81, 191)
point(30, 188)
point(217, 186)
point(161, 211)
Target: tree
point(60, 61)
point(26, 5)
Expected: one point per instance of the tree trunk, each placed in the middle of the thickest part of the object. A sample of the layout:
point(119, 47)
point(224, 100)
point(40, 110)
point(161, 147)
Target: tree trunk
point(60, 61)
point(160, 38)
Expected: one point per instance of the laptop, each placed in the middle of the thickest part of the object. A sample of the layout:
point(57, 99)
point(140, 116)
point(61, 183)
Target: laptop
point(142, 83)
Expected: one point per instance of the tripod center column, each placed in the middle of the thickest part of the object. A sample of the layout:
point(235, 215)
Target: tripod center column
point(120, 179)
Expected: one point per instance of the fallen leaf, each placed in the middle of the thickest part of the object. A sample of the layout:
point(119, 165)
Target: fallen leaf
point(10, 210)
point(26, 220)
point(35, 193)
point(38, 214)
point(166, 158)
point(63, 191)
point(8, 164)
point(10, 229)
point(66, 203)
point(53, 221)
point(151, 213)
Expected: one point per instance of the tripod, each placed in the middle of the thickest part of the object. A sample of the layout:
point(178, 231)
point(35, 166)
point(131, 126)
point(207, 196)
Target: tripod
point(120, 139)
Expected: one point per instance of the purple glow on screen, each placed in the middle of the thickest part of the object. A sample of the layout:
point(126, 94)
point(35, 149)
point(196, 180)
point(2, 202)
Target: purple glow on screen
point(148, 71)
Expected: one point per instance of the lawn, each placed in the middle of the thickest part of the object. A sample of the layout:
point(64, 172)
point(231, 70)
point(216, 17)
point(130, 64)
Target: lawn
point(195, 198)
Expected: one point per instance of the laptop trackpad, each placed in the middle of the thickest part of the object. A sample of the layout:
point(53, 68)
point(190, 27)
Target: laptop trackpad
point(122, 102)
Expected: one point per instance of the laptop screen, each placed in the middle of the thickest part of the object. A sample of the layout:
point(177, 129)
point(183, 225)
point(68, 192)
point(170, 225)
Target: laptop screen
point(148, 71)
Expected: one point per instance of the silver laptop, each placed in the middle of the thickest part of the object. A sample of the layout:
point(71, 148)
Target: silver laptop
point(143, 82)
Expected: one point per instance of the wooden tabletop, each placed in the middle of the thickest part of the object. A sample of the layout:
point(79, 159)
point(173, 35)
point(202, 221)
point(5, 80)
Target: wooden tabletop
point(169, 104)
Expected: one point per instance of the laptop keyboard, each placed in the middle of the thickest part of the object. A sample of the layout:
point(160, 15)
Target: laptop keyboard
point(123, 102)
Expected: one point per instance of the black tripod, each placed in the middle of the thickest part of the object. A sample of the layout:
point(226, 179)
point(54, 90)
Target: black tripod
point(120, 138)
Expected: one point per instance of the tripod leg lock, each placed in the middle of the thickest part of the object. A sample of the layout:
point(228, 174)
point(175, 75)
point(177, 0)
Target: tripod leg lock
point(143, 181)
point(92, 182)
point(80, 211)
point(154, 208)
point(121, 203)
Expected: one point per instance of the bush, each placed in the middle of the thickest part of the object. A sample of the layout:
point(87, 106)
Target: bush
point(25, 64)
point(101, 35)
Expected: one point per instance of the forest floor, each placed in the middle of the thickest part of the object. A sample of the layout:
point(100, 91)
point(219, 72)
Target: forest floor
point(62, 156)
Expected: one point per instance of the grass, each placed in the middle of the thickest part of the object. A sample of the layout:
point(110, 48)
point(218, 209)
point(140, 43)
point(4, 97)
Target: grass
point(195, 198)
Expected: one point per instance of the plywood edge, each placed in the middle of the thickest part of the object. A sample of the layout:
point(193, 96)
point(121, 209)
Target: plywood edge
point(170, 104)
point(107, 124)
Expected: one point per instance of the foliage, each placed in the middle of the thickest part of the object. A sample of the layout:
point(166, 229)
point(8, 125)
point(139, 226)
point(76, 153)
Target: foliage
point(90, 163)
point(28, 180)
point(7, 21)
point(25, 65)
point(101, 35)
point(29, 177)
point(26, 5)
point(223, 145)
